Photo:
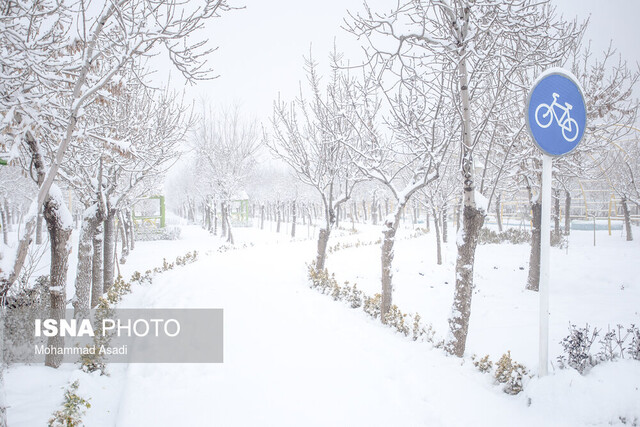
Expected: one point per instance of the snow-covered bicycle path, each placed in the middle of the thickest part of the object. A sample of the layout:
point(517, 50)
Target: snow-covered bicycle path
point(295, 357)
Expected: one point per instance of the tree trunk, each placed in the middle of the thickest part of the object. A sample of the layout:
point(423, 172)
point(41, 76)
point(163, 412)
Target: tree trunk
point(223, 219)
point(567, 213)
point(323, 239)
point(438, 244)
point(556, 214)
point(389, 232)
point(364, 210)
point(97, 273)
point(124, 252)
point(132, 230)
point(59, 225)
point(5, 226)
point(472, 221)
point(293, 219)
point(82, 300)
point(229, 233)
point(109, 249)
point(21, 256)
point(261, 217)
point(57, 217)
point(3, 397)
point(207, 216)
point(499, 212)
point(533, 282)
point(445, 234)
point(39, 229)
point(9, 216)
point(215, 219)
point(627, 219)
point(278, 218)
point(374, 211)
point(192, 213)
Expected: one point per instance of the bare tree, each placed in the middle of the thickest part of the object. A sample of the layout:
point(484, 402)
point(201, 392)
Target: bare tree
point(310, 134)
point(438, 196)
point(483, 45)
point(404, 158)
point(612, 138)
point(226, 145)
point(130, 139)
point(88, 54)
point(611, 112)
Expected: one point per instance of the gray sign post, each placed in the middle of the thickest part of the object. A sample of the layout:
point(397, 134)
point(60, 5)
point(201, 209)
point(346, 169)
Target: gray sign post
point(556, 118)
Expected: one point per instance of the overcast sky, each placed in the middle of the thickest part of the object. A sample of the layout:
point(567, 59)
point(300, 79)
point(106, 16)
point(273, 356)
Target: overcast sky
point(261, 47)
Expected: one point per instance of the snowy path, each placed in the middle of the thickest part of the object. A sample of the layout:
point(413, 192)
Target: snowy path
point(295, 357)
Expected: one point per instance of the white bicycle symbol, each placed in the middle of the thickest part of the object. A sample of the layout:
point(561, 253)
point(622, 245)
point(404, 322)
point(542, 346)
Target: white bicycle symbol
point(569, 126)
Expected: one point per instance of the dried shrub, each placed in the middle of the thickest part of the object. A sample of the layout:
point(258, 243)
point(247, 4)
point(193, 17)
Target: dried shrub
point(511, 374)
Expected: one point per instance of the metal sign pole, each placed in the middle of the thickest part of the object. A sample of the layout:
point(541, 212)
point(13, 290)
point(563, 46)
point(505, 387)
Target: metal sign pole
point(545, 244)
point(556, 119)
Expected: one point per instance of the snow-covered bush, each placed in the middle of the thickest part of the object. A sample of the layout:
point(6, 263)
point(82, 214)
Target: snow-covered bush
point(612, 344)
point(577, 347)
point(430, 336)
point(510, 373)
point(418, 330)
point(357, 244)
point(484, 365)
point(558, 241)
point(371, 305)
point(327, 284)
point(141, 278)
point(93, 361)
point(634, 346)
point(150, 233)
point(417, 232)
point(353, 296)
point(336, 291)
point(510, 235)
point(396, 319)
point(22, 308)
point(188, 258)
point(321, 280)
point(73, 408)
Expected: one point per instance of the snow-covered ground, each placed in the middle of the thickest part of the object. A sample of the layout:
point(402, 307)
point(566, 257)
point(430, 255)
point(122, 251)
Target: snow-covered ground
point(295, 357)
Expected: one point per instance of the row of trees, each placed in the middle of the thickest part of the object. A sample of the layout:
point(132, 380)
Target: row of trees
point(77, 112)
point(433, 116)
point(437, 108)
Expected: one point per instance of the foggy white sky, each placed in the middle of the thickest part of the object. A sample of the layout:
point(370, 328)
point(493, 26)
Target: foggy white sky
point(261, 47)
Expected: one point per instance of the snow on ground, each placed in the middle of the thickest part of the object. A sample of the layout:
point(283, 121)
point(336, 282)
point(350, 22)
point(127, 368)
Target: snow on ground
point(296, 357)
point(597, 285)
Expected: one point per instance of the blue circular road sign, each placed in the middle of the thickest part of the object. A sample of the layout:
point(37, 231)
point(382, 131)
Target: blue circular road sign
point(556, 113)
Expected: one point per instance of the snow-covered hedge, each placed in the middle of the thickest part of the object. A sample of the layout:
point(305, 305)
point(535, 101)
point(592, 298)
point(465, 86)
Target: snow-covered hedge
point(577, 346)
